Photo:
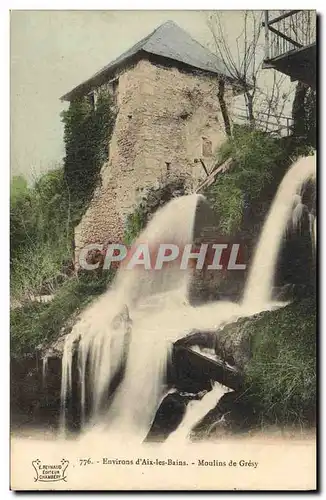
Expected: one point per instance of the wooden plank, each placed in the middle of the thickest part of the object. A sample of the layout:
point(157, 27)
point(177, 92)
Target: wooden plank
point(216, 170)
point(282, 16)
point(285, 37)
point(191, 364)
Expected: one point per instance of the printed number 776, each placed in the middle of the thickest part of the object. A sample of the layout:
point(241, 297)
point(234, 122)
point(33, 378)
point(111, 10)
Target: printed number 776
point(85, 461)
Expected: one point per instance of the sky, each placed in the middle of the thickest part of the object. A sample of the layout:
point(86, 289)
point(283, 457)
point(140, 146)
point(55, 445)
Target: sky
point(53, 51)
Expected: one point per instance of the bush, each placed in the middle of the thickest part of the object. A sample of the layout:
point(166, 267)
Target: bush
point(41, 235)
point(170, 186)
point(23, 219)
point(281, 374)
point(135, 223)
point(42, 220)
point(42, 262)
point(256, 155)
point(36, 323)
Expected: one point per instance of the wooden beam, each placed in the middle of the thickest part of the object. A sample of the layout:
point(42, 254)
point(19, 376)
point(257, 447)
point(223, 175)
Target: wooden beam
point(187, 361)
point(287, 38)
point(265, 24)
point(282, 16)
point(204, 166)
point(211, 177)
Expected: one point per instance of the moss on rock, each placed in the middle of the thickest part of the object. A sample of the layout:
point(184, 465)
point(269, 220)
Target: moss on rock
point(281, 373)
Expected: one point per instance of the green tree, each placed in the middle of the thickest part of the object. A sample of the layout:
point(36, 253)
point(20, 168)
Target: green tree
point(41, 234)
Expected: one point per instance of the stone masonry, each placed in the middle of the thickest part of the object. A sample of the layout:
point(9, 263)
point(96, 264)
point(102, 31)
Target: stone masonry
point(166, 120)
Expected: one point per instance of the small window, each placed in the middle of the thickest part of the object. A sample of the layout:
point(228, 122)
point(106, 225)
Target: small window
point(91, 97)
point(207, 147)
point(168, 166)
point(115, 84)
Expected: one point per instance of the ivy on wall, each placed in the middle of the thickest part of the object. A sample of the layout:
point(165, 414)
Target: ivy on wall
point(170, 186)
point(87, 133)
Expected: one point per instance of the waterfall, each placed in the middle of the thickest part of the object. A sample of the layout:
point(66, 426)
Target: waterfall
point(195, 411)
point(66, 381)
point(297, 214)
point(260, 280)
point(131, 328)
point(158, 306)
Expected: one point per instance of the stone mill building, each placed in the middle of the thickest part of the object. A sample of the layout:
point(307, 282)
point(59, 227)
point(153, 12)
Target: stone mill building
point(168, 118)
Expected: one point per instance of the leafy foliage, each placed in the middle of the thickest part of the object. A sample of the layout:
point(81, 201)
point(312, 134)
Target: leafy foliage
point(310, 117)
point(136, 221)
point(170, 186)
point(22, 216)
point(40, 235)
point(42, 221)
point(282, 372)
point(87, 132)
point(43, 218)
point(304, 113)
point(257, 157)
point(37, 323)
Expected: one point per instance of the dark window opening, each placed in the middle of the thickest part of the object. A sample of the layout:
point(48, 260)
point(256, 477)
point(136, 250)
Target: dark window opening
point(91, 99)
point(207, 147)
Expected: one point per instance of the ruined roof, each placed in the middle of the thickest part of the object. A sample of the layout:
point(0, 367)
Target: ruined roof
point(168, 41)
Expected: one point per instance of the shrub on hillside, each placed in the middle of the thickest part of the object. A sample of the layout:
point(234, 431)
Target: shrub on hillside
point(281, 374)
point(41, 235)
point(255, 156)
point(258, 161)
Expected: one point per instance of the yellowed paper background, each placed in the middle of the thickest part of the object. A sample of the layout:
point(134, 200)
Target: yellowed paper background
point(282, 464)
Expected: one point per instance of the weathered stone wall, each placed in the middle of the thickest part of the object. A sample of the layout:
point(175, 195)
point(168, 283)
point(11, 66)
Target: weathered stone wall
point(166, 119)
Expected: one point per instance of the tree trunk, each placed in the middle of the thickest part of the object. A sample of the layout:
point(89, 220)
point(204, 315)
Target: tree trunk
point(223, 106)
point(250, 108)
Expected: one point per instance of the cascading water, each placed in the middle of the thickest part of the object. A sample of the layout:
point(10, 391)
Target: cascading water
point(195, 411)
point(297, 212)
point(66, 380)
point(136, 322)
point(158, 305)
point(259, 285)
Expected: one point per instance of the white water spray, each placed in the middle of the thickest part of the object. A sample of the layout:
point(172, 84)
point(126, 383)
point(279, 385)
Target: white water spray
point(260, 281)
point(145, 311)
point(66, 380)
point(196, 410)
point(158, 305)
point(297, 215)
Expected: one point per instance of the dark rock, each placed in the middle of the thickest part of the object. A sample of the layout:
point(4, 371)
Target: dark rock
point(198, 367)
point(232, 414)
point(33, 400)
point(170, 414)
point(290, 292)
point(36, 400)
